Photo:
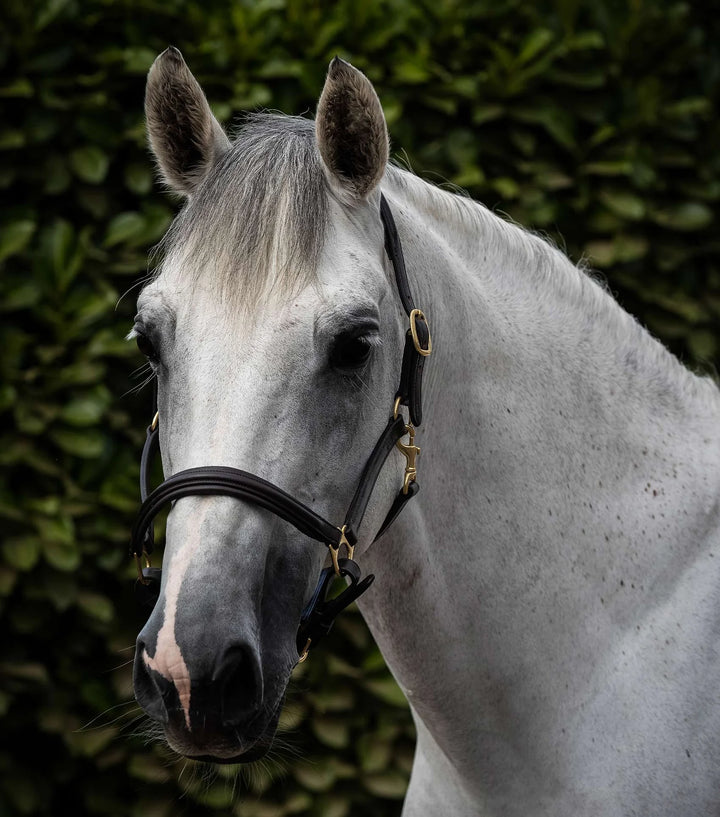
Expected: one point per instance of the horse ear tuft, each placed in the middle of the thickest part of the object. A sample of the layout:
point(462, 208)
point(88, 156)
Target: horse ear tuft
point(351, 131)
point(184, 135)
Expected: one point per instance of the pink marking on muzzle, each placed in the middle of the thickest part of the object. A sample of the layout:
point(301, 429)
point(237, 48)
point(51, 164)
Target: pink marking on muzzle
point(168, 660)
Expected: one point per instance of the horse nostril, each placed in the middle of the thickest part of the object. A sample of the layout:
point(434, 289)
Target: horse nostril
point(155, 694)
point(239, 678)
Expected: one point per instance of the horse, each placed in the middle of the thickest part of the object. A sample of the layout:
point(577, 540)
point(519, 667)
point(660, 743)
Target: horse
point(549, 602)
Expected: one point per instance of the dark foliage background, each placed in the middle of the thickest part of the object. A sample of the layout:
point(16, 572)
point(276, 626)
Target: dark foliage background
point(592, 122)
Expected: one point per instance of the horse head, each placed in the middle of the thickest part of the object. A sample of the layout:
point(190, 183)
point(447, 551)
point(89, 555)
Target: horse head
point(275, 332)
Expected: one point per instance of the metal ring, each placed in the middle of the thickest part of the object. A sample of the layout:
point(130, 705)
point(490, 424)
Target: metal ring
point(304, 653)
point(414, 315)
point(138, 562)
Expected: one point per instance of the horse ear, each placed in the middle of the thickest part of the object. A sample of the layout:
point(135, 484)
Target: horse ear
point(351, 132)
point(184, 135)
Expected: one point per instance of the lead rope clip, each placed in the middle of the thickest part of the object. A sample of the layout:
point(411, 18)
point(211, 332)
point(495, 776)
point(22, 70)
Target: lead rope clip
point(335, 549)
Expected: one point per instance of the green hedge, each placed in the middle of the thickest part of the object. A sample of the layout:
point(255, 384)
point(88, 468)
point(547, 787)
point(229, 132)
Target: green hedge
point(594, 123)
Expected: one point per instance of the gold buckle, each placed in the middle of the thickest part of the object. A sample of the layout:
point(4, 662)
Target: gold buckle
point(411, 452)
point(414, 315)
point(305, 651)
point(138, 562)
point(335, 549)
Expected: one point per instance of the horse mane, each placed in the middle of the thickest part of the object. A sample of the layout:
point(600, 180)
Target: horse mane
point(261, 211)
point(558, 283)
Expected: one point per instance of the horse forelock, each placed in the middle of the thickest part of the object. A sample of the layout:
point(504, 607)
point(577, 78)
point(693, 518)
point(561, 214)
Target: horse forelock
point(258, 221)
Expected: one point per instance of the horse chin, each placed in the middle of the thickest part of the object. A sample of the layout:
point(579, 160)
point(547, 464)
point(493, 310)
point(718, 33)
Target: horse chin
point(223, 745)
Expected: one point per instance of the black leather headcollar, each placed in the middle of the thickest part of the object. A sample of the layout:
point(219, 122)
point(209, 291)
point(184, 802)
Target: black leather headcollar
point(320, 613)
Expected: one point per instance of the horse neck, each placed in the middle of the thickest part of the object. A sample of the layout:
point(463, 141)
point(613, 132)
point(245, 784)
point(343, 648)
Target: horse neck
point(566, 455)
point(521, 331)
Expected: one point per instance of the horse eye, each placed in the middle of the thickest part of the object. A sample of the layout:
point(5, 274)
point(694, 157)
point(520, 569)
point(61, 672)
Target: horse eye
point(350, 352)
point(144, 344)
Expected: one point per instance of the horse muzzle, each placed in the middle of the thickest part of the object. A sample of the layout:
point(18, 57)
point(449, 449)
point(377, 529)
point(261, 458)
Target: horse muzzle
point(223, 713)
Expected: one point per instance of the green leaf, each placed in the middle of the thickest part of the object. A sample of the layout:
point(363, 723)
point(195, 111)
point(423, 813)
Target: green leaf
point(85, 444)
point(295, 804)
point(316, 777)
point(149, 769)
point(138, 59)
point(124, 227)
point(620, 167)
point(96, 606)
point(89, 742)
point(704, 344)
point(11, 139)
point(14, 237)
point(387, 690)
point(411, 71)
point(138, 178)
point(331, 731)
point(392, 785)
point(22, 552)
point(50, 9)
point(586, 40)
point(374, 752)
point(624, 204)
point(29, 671)
point(508, 188)
point(536, 42)
point(557, 122)
point(56, 529)
point(8, 580)
point(90, 163)
point(218, 795)
point(630, 248)
point(487, 113)
point(18, 88)
point(68, 252)
point(291, 717)
point(87, 409)
point(685, 217)
point(81, 372)
point(61, 555)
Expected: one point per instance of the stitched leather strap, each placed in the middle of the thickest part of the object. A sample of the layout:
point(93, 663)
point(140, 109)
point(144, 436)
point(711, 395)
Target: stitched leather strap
point(320, 613)
point(393, 248)
point(150, 449)
point(410, 388)
point(396, 507)
point(394, 430)
point(226, 481)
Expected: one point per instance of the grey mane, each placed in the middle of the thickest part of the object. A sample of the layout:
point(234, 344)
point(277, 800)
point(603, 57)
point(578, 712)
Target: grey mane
point(259, 219)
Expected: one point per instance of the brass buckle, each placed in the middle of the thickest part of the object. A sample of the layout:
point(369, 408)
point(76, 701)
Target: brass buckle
point(411, 452)
point(138, 562)
point(305, 651)
point(335, 549)
point(414, 315)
